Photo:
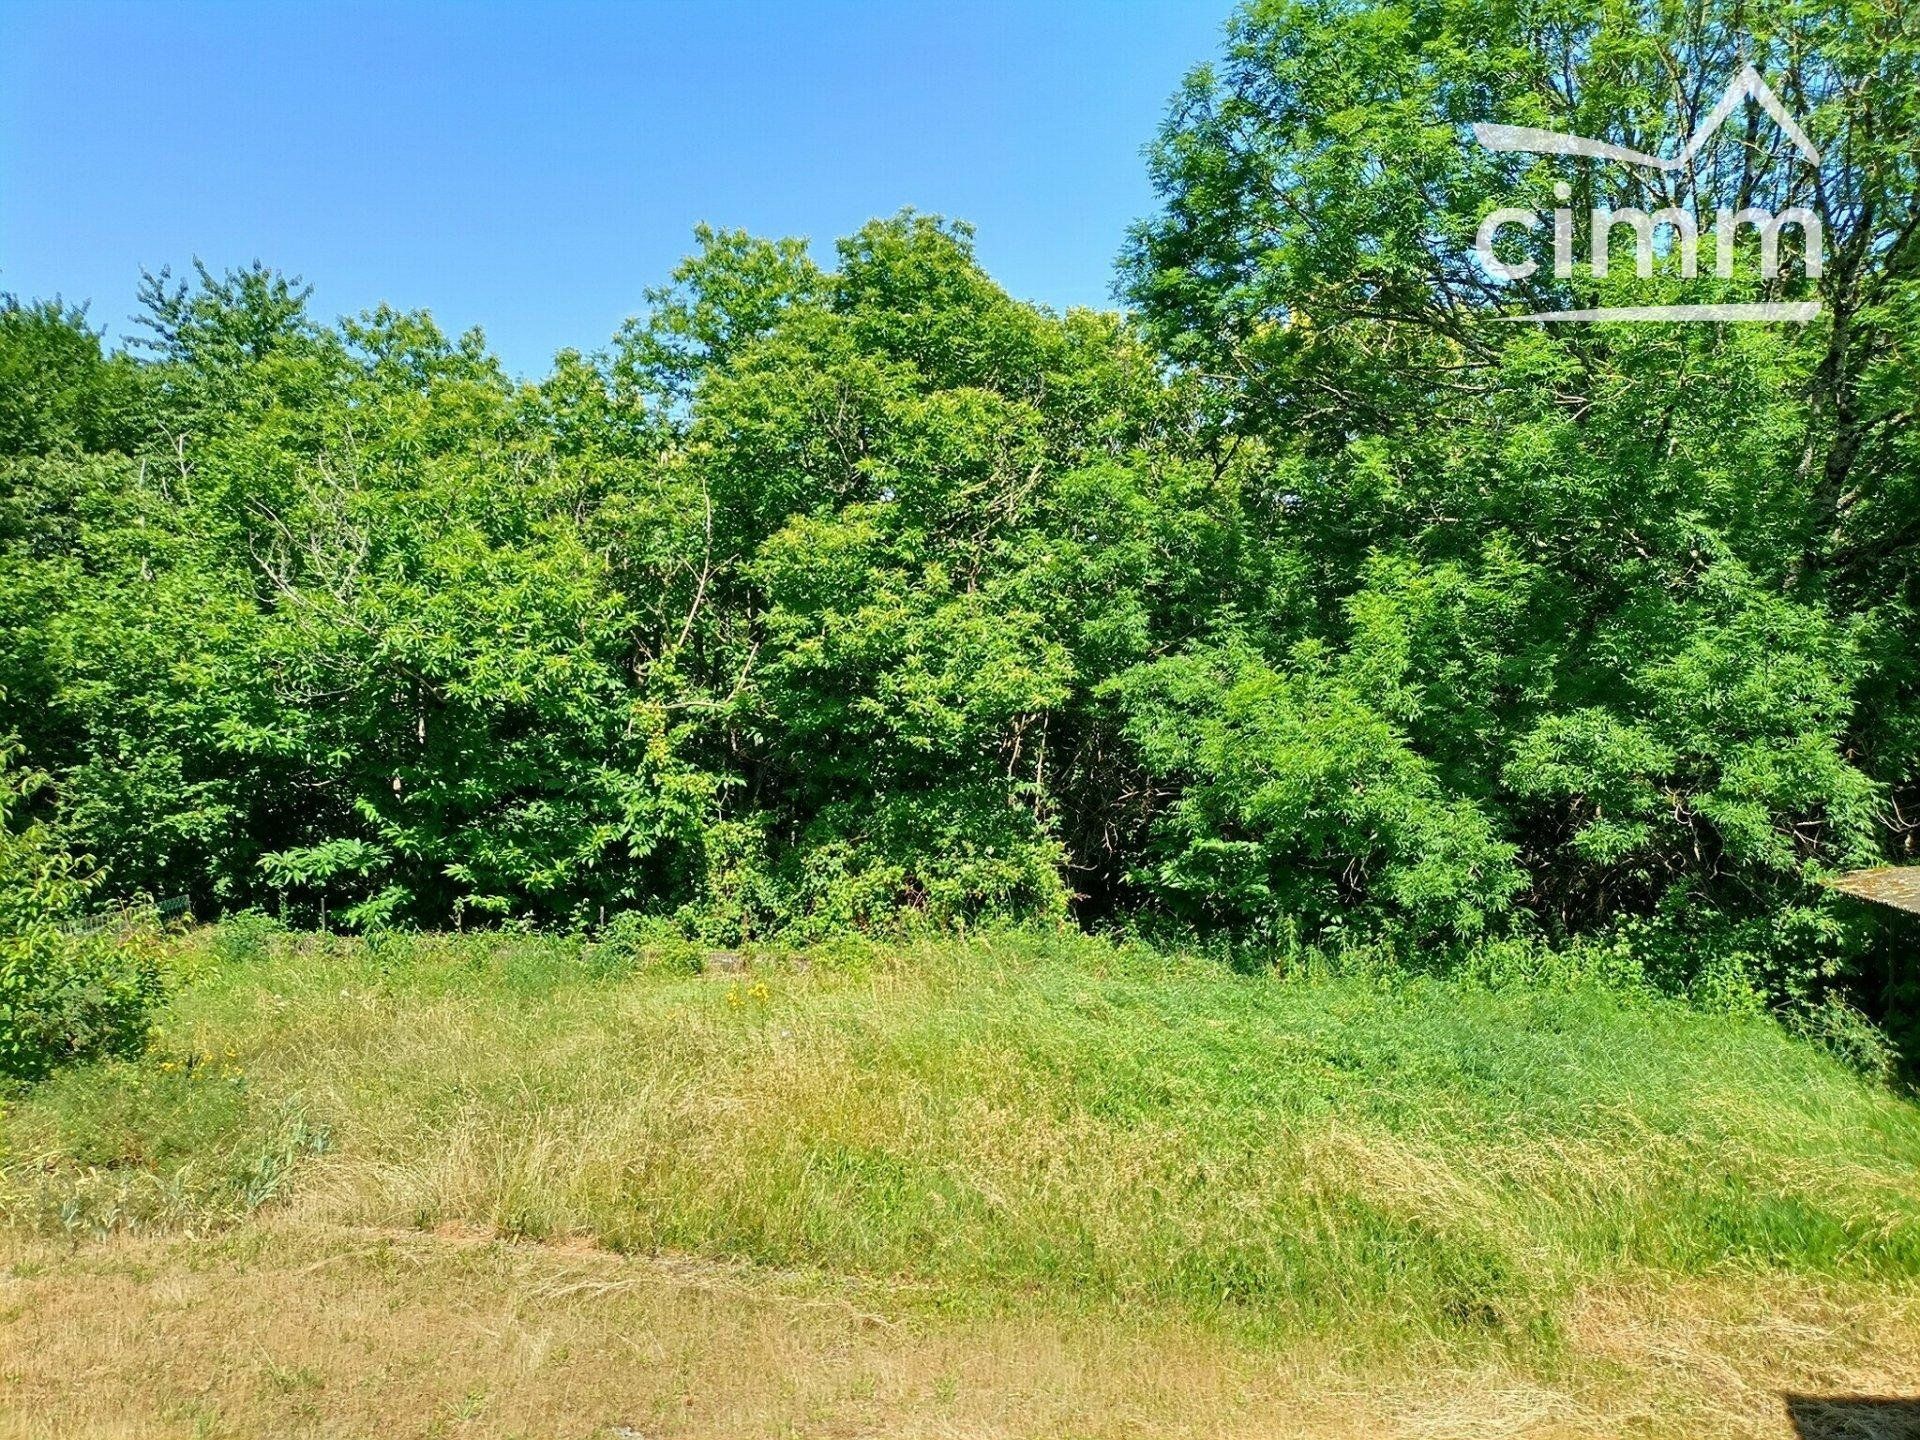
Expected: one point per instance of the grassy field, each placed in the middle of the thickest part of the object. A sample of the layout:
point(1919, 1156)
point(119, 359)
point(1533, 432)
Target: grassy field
point(502, 1186)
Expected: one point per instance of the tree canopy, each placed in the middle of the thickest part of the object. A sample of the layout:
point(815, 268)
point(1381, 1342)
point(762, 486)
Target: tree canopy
point(1308, 601)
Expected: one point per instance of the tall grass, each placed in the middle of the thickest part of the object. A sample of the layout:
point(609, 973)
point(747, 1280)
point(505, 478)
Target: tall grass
point(995, 1124)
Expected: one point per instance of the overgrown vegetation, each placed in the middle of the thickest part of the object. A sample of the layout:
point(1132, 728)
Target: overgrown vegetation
point(1305, 605)
point(66, 993)
point(863, 1184)
point(1426, 1164)
point(1442, 726)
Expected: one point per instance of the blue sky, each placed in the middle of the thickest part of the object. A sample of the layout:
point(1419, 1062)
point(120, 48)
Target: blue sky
point(532, 168)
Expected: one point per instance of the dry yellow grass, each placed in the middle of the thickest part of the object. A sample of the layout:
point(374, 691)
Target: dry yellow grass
point(283, 1329)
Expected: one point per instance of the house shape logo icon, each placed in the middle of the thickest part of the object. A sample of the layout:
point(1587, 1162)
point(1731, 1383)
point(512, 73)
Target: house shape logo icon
point(1747, 85)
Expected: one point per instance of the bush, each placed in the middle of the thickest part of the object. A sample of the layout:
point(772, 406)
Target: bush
point(1850, 1037)
point(246, 935)
point(63, 996)
point(631, 943)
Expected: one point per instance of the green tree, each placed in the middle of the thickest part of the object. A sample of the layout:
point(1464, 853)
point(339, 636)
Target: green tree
point(1637, 594)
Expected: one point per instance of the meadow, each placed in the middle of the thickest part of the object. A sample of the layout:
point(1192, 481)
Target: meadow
point(1023, 1184)
point(1489, 708)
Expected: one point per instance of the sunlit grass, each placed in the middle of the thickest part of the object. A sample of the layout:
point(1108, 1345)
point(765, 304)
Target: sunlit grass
point(998, 1126)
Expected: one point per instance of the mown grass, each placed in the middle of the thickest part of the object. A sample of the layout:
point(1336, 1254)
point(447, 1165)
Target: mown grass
point(1005, 1126)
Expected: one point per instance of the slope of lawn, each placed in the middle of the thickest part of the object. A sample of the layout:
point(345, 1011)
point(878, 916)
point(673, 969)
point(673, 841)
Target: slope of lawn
point(998, 1132)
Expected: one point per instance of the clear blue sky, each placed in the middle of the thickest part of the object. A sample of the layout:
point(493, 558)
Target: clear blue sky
point(532, 168)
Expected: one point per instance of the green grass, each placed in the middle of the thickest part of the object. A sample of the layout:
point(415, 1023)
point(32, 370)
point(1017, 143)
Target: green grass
point(1026, 1122)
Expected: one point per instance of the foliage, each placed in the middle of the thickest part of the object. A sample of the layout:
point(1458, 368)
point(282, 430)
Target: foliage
point(1311, 603)
point(64, 994)
point(1300, 800)
point(1630, 591)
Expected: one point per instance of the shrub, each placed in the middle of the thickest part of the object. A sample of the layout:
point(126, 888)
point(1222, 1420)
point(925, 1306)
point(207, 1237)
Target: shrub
point(63, 995)
point(246, 935)
point(630, 943)
point(1849, 1037)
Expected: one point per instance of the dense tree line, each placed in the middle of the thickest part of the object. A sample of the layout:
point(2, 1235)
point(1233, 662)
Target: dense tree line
point(1304, 602)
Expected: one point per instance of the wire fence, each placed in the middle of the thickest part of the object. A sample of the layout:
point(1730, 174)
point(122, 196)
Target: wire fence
point(121, 916)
